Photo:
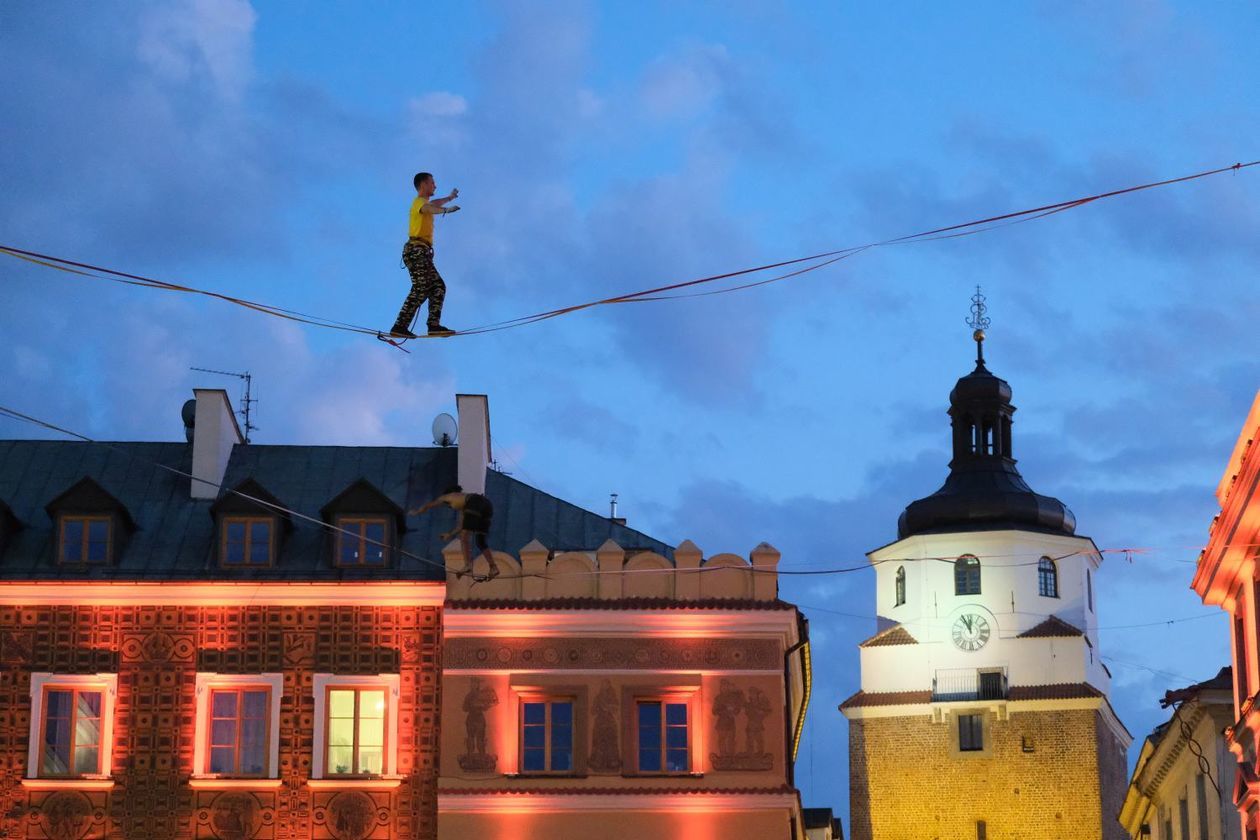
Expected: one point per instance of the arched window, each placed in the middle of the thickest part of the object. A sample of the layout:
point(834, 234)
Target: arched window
point(900, 594)
point(1047, 578)
point(967, 576)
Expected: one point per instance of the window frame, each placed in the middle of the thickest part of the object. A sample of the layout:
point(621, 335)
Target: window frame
point(64, 519)
point(41, 684)
point(249, 522)
point(1047, 578)
point(206, 684)
point(323, 685)
point(978, 717)
point(963, 568)
point(666, 699)
point(343, 523)
point(548, 699)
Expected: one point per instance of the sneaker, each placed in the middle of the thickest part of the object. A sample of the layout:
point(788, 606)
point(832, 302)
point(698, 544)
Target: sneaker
point(401, 332)
point(438, 329)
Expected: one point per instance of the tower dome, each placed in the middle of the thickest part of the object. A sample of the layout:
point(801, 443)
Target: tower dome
point(984, 490)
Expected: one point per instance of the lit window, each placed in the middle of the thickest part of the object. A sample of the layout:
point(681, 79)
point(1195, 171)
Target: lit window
point(354, 725)
point(247, 541)
point(1047, 578)
point(238, 720)
point(85, 539)
point(900, 586)
point(365, 544)
point(967, 576)
point(663, 736)
point(970, 733)
point(71, 725)
point(547, 736)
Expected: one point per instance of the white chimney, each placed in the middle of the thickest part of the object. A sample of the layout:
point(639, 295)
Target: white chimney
point(474, 441)
point(214, 433)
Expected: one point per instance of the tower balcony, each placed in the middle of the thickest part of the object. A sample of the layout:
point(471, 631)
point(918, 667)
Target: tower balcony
point(969, 684)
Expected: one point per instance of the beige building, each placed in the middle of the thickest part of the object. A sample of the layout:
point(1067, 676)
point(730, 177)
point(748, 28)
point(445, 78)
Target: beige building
point(1182, 785)
point(620, 694)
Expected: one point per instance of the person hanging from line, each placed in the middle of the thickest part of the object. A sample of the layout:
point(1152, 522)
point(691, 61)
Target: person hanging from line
point(417, 257)
point(474, 512)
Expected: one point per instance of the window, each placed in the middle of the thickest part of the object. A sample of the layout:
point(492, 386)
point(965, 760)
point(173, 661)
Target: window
point(85, 539)
point(247, 541)
point(900, 586)
point(663, 736)
point(1200, 796)
point(547, 736)
point(982, 830)
point(71, 725)
point(1089, 588)
point(355, 722)
point(970, 733)
point(366, 544)
point(238, 725)
point(967, 576)
point(1047, 578)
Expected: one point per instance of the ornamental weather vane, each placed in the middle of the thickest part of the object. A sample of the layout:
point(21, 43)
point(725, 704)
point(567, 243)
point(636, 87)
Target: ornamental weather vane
point(979, 322)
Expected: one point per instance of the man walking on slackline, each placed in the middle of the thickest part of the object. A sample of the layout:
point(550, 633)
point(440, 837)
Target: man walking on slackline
point(417, 256)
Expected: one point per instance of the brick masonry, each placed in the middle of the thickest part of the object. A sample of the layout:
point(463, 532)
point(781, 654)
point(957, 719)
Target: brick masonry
point(908, 782)
point(157, 652)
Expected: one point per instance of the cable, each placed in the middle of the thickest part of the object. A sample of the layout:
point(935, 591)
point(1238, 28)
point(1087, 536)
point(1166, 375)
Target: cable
point(822, 259)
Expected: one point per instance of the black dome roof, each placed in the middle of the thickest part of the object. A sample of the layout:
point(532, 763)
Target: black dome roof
point(984, 490)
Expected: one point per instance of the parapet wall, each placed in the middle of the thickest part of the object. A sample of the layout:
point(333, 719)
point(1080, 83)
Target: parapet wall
point(610, 573)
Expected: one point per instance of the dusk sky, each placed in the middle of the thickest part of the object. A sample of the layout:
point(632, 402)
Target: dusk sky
point(266, 150)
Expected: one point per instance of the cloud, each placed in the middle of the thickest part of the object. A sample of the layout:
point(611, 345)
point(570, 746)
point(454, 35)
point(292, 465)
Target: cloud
point(178, 40)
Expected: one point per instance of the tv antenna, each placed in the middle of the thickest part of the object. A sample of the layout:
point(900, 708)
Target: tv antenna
point(247, 401)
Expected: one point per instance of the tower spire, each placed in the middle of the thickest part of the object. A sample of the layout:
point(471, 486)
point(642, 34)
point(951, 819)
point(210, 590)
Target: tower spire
point(979, 322)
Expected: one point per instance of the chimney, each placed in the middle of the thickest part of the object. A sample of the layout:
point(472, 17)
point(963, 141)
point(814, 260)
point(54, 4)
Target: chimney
point(213, 433)
point(474, 441)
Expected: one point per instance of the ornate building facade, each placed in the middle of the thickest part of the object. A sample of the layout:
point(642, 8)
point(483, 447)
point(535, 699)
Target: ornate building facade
point(214, 639)
point(983, 708)
point(1227, 576)
point(622, 695)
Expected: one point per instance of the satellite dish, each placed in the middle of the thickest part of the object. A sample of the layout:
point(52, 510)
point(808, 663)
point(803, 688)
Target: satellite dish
point(445, 430)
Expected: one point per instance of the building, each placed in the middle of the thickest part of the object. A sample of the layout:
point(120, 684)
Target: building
point(1227, 577)
point(983, 708)
point(1182, 786)
point(821, 824)
point(622, 694)
point(218, 639)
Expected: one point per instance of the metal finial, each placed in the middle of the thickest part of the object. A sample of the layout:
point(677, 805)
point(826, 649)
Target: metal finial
point(978, 322)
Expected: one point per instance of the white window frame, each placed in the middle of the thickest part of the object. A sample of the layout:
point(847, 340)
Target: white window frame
point(207, 681)
point(392, 683)
point(43, 680)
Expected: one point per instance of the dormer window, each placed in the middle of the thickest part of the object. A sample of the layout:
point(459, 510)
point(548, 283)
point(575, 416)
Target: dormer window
point(85, 540)
point(90, 525)
point(251, 525)
point(248, 541)
point(362, 540)
point(367, 525)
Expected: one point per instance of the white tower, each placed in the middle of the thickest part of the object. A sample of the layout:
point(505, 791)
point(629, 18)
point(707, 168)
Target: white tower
point(984, 696)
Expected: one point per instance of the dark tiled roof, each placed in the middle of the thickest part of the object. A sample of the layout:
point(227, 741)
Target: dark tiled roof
point(898, 635)
point(817, 817)
point(175, 537)
point(1058, 691)
point(1223, 681)
point(621, 604)
point(1052, 627)
point(886, 698)
point(570, 790)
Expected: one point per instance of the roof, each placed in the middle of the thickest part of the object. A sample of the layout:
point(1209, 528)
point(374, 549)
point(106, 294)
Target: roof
point(621, 604)
point(1223, 681)
point(1058, 691)
point(1052, 627)
point(817, 817)
point(887, 698)
point(570, 790)
point(175, 534)
point(897, 635)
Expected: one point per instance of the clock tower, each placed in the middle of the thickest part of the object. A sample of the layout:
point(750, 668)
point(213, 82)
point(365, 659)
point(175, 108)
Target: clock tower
point(983, 709)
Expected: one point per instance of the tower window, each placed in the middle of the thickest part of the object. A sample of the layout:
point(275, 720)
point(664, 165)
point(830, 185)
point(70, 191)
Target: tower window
point(1089, 588)
point(1047, 578)
point(900, 586)
point(967, 576)
point(970, 733)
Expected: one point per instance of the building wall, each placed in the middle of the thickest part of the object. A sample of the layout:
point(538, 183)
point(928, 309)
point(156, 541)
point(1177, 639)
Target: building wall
point(909, 782)
point(156, 652)
point(623, 825)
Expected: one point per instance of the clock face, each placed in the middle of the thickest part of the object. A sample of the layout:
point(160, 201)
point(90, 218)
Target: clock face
point(971, 632)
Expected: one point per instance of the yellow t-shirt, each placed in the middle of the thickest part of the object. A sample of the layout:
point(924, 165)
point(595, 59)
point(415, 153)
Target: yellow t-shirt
point(420, 224)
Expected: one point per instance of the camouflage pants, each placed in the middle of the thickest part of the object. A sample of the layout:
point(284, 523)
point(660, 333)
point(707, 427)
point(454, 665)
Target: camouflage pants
point(426, 284)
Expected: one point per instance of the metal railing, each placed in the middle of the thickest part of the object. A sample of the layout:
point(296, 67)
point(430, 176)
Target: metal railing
point(969, 684)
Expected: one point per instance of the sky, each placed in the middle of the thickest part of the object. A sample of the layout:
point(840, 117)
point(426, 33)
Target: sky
point(266, 150)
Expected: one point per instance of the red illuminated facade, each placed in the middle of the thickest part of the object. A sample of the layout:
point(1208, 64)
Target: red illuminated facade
point(1227, 576)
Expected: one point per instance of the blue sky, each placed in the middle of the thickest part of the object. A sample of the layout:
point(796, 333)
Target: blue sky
point(267, 150)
